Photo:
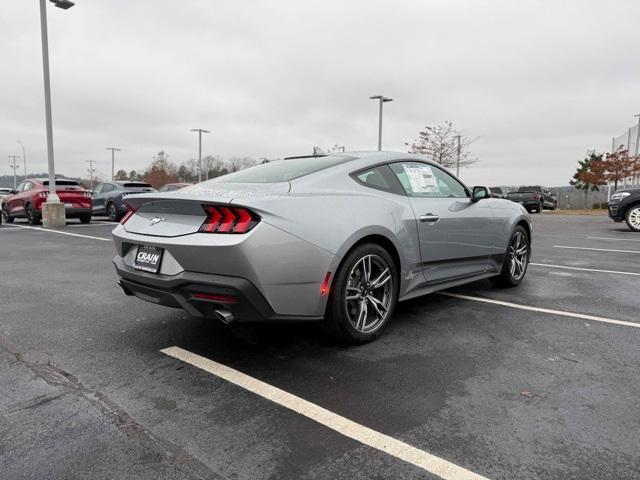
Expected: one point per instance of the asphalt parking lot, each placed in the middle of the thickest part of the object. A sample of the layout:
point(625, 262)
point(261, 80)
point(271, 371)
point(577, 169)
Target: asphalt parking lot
point(539, 381)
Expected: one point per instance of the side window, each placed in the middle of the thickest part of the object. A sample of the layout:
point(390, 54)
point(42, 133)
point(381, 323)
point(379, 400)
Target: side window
point(107, 187)
point(27, 186)
point(98, 189)
point(19, 187)
point(424, 180)
point(377, 178)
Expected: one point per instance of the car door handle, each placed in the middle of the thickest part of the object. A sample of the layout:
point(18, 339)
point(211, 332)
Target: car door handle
point(429, 217)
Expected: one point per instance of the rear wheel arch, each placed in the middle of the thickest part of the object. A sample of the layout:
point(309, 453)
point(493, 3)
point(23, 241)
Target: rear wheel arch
point(526, 227)
point(378, 239)
point(633, 204)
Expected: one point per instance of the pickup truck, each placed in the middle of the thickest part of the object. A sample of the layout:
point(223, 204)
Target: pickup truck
point(534, 198)
point(625, 205)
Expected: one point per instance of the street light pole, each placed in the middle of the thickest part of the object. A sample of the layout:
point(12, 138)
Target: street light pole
point(200, 132)
point(24, 159)
point(382, 100)
point(14, 166)
point(113, 161)
point(53, 214)
point(91, 162)
point(458, 157)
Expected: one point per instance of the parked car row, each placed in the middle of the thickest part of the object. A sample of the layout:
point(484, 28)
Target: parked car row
point(106, 199)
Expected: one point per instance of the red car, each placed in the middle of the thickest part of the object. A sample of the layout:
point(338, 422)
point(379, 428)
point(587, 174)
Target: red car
point(26, 200)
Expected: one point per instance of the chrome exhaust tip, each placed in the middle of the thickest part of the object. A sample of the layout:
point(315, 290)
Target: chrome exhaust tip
point(225, 316)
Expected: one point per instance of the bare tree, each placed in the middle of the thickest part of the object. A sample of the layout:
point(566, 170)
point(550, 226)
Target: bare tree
point(239, 163)
point(440, 144)
point(213, 166)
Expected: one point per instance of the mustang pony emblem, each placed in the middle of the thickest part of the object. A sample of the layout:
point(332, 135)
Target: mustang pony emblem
point(155, 220)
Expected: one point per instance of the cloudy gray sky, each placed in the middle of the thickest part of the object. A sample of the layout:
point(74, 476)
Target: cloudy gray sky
point(538, 81)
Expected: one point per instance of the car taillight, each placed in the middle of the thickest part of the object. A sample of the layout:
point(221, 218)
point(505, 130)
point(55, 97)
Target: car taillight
point(222, 219)
point(127, 215)
point(86, 194)
point(536, 196)
point(43, 194)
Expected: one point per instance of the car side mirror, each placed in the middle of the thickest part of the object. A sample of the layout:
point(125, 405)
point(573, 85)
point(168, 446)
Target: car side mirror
point(479, 192)
point(13, 192)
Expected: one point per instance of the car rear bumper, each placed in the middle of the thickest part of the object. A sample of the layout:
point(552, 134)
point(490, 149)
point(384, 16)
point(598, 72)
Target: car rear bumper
point(236, 295)
point(528, 203)
point(76, 212)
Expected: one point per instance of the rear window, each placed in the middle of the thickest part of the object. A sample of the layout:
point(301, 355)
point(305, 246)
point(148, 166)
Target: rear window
point(137, 185)
point(70, 183)
point(281, 170)
point(535, 188)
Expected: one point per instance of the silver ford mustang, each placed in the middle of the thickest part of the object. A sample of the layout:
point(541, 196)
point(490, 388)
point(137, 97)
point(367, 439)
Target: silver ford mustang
point(338, 238)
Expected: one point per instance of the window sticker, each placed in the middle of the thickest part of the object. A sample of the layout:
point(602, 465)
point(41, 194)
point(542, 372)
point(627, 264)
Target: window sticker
point(421, 178)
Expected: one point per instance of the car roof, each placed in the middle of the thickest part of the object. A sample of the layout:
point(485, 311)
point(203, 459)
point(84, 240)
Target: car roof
point(122, 182)
point(364, 158)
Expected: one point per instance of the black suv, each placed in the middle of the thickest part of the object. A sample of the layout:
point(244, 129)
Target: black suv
point(625, 205)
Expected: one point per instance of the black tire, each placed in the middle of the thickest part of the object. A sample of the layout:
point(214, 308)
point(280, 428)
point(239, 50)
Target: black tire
point(85, 218)
point(340, 310)
point(507, 277)
point(32, 217)
point(6, 218)
point(632, 217)
point(112, 213)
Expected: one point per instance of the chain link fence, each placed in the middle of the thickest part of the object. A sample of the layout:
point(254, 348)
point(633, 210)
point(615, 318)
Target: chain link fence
point(629, 140)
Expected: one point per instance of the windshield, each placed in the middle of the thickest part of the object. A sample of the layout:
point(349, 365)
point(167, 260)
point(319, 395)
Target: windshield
point(281, 170)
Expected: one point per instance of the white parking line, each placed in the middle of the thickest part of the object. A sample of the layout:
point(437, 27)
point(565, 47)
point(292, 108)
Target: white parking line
point(64, 233)
point(421, 459)
point(582, 269)
point(616, 239)
point(582, 316)
point(597, 249)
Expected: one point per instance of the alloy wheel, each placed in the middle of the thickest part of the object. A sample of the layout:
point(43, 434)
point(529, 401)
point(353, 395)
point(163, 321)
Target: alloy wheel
point(369, 293)
point(31, 219)
point(518, 255)
point(113, 214)
point(634, 218)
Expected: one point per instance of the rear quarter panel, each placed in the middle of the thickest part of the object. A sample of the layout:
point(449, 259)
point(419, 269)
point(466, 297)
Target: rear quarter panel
point(335, 220)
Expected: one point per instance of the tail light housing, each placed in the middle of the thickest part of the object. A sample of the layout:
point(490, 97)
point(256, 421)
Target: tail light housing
point(86, 194)
point(537, 196)
point(127, 215)
point(228, 219)
point(43, 194)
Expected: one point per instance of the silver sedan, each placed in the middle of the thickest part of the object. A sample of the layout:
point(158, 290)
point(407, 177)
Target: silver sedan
point(333, 238)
